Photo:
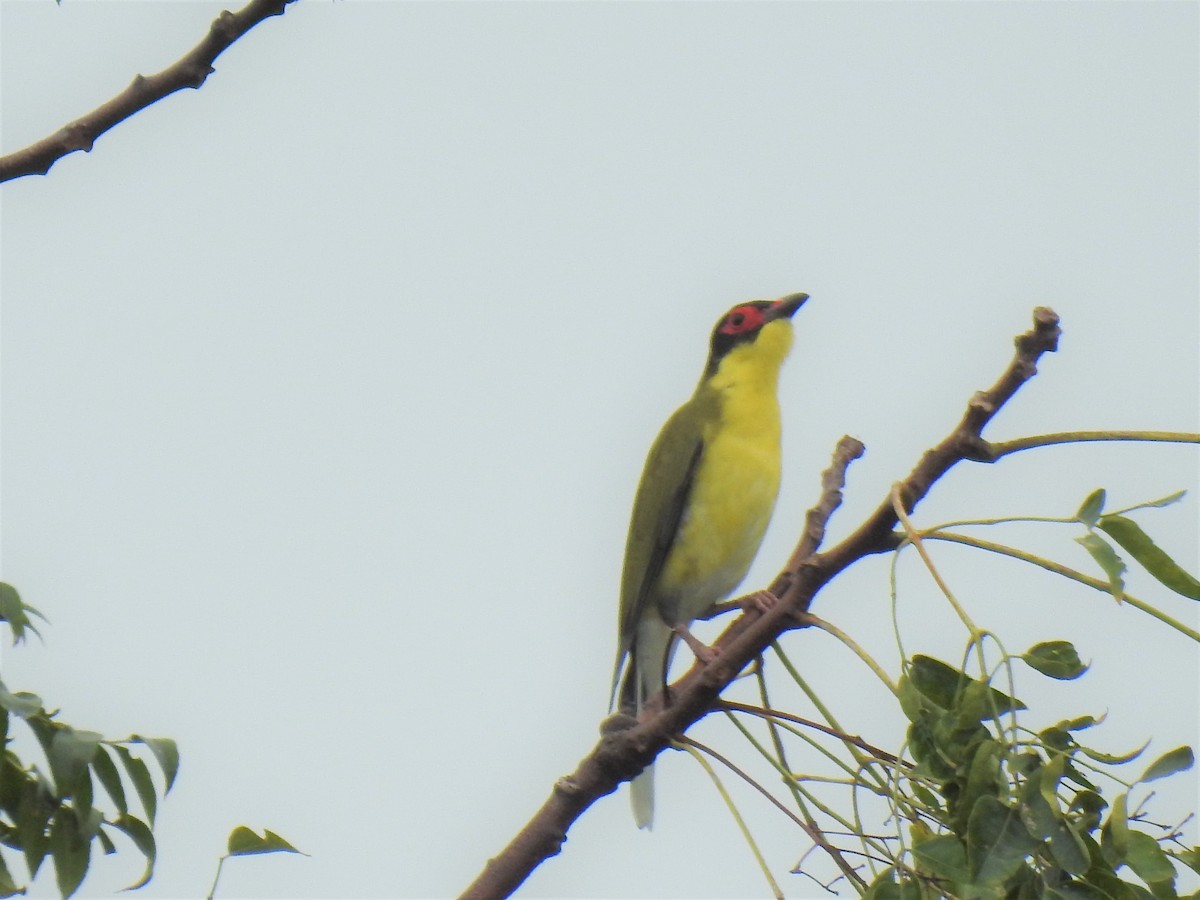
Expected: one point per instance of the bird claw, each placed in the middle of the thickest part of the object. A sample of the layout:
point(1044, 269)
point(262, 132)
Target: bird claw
point(763, 601)
point(704, 653)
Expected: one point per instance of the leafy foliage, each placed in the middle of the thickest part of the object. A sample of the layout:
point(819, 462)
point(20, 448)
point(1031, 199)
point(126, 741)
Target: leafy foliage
point(984, 804)
point(1012, 814)
point(56, 815)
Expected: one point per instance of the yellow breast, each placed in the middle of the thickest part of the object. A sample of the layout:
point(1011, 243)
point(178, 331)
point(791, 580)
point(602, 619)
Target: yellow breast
point(736, 482)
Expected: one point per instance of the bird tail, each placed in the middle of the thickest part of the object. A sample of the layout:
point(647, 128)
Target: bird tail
point(641, 789)
point(641, 795)
point(644, 676)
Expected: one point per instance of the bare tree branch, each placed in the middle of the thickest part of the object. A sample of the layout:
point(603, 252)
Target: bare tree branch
point(191, 71)
point(624, 751)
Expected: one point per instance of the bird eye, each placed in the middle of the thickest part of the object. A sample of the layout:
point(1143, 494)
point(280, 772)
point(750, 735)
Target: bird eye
point(741, 320)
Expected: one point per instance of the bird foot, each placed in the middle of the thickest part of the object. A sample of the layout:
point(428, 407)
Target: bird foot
point(759, 600)
point(763, 601)
point(617, 722)
point(704, 653)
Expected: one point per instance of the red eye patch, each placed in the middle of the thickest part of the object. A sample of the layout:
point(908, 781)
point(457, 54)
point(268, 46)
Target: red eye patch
point(741, 319)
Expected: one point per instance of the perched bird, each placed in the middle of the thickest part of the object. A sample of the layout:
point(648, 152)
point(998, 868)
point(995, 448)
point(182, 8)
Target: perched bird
point(706, 495)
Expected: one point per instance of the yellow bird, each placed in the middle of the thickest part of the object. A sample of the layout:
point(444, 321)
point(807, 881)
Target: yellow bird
point(706, 495)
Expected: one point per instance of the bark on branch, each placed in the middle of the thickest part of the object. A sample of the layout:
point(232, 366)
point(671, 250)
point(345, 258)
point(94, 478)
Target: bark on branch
point(622, 753)
point(190, 71)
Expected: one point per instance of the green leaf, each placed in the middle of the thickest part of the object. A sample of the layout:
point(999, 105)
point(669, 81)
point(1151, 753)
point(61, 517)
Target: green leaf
point(22, 703)
point(1024, 763)
point(143, 839)
point(14, 611)
point(70, 754)
point(978, 701)
point(139, 774)
point(943, 856)
point(1163, 501)
point(949, 689)
point(1072, 773)
point(1150, 556)
point(1079, 724)
point(955, 742)
point(1055, 738)
point(1090, 511)
point(1087, 807)
point(8, 887)
point(1103, 553)
point(244, 842)
point(927, 797)
point(935, 680)
point(81, 805)
point(885, 887)
point(1177, 760)
point(1101, 884)
point(997, 841)
point(13, 779)
point(1114, 836)
point(166, 752)
point(1055, 659)
point(36, 807)
point(924, 749)
point(1044, 818)
point(110, 779)
point(1025, 885)
point(1190, 858)
point(913, 703)
point(44, 728)
point(1115, 759)
point(71, 850)
point(1146, 857)
point(1068, 849)
point(1047, 783)
point(983, 778)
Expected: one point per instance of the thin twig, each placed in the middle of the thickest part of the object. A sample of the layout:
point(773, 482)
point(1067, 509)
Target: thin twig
point(1050, 565)
point(993, 452)
point(697, 751)
point(808, 723)
point(809, 827)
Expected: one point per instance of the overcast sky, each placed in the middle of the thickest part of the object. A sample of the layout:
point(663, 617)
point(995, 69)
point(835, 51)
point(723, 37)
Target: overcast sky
point(326, 388)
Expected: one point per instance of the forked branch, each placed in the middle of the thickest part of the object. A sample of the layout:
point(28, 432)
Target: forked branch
point(624, 751)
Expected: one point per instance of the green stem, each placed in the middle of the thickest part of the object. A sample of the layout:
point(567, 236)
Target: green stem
point(773, 730)
point(1066, 572)
point(1003, 448)
point(737, 816)
point(858, 651)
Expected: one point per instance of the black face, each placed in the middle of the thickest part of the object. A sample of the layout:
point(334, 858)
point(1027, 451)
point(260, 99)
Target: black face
point(743, 323)
point(738, 326)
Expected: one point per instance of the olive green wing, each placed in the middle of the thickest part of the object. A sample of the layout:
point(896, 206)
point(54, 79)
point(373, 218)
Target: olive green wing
point(662, 498)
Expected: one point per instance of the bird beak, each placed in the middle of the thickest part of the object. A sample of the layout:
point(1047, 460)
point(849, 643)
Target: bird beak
point(784, 307)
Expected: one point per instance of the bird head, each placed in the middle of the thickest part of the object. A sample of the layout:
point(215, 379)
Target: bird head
point(765, 324)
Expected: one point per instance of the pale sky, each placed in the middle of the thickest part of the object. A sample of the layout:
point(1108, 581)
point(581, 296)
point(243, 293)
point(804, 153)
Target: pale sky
point(326, 389)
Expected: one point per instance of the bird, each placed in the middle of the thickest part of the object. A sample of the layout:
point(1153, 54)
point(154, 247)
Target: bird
point(702, 506)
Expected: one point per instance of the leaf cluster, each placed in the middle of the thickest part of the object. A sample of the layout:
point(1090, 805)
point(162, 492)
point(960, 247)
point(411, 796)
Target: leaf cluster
point(998, 812)
point(55, 814)
point(1130, 537)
